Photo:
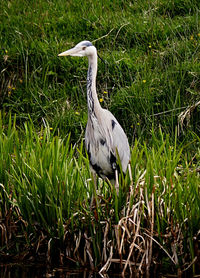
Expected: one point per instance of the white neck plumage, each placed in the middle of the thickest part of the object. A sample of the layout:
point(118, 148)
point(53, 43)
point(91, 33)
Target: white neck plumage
point(92, 99)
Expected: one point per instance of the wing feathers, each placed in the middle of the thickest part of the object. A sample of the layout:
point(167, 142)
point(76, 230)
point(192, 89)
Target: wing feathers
point(103, 136)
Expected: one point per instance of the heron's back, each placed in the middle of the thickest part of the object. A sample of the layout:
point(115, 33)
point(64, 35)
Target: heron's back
point(103, 136)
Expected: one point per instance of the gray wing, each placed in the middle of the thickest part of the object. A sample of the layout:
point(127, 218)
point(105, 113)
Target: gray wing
point(119, 140)
point(98, 149)
point(103, 136)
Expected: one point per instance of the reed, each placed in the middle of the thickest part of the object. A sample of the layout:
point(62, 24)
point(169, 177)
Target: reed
point(46, 210)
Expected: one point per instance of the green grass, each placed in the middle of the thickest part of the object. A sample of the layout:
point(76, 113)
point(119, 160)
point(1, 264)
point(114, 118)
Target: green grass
point(155, 41)
point(151, 75)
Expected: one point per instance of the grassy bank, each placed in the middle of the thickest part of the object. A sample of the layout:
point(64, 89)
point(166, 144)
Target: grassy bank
point(151, 70)
point(47, 211)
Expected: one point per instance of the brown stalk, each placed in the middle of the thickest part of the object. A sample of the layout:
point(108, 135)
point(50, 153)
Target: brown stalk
point(104, 255)
point(105, 268)
point(88, 251)
point(186, 114)
point(151, 216)
point(132, 245)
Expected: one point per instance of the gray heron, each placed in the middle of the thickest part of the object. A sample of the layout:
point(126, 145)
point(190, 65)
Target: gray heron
point(104, 136)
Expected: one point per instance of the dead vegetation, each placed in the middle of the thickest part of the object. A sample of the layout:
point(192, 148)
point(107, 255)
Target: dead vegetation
point(133, 246)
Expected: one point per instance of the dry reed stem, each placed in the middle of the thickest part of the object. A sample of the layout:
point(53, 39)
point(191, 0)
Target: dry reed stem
point(193, 261)
point(88, 251)
point(186, 114)
point(104, 255)
point(151, 216)
point(77, 241)
point(161, 247)
point(117, 236)
point(133, 244)
point(128, 232)
point(4, 238)
point(105, 268)
point(49, 251)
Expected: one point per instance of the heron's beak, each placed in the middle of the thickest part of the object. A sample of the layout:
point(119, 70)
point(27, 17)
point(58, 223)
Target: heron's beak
point(70, 52)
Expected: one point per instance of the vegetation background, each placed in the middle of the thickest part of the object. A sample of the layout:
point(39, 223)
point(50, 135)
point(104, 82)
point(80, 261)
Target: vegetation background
point(150, 74)
point(150, 80)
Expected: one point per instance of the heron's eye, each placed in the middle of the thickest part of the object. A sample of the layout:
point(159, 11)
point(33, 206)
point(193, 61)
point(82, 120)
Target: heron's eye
point(84, 47)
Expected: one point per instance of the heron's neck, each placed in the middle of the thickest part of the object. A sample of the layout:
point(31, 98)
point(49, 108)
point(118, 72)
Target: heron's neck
point(92, 99)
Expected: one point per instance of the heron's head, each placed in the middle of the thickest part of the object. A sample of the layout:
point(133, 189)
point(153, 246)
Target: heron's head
point(84, 48)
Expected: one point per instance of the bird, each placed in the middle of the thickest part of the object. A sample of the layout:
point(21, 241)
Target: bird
point(105, 139)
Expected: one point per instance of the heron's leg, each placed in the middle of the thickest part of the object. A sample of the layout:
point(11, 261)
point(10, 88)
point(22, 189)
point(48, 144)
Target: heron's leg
point(93, 201)
point(94, 177)
point(116, 181)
